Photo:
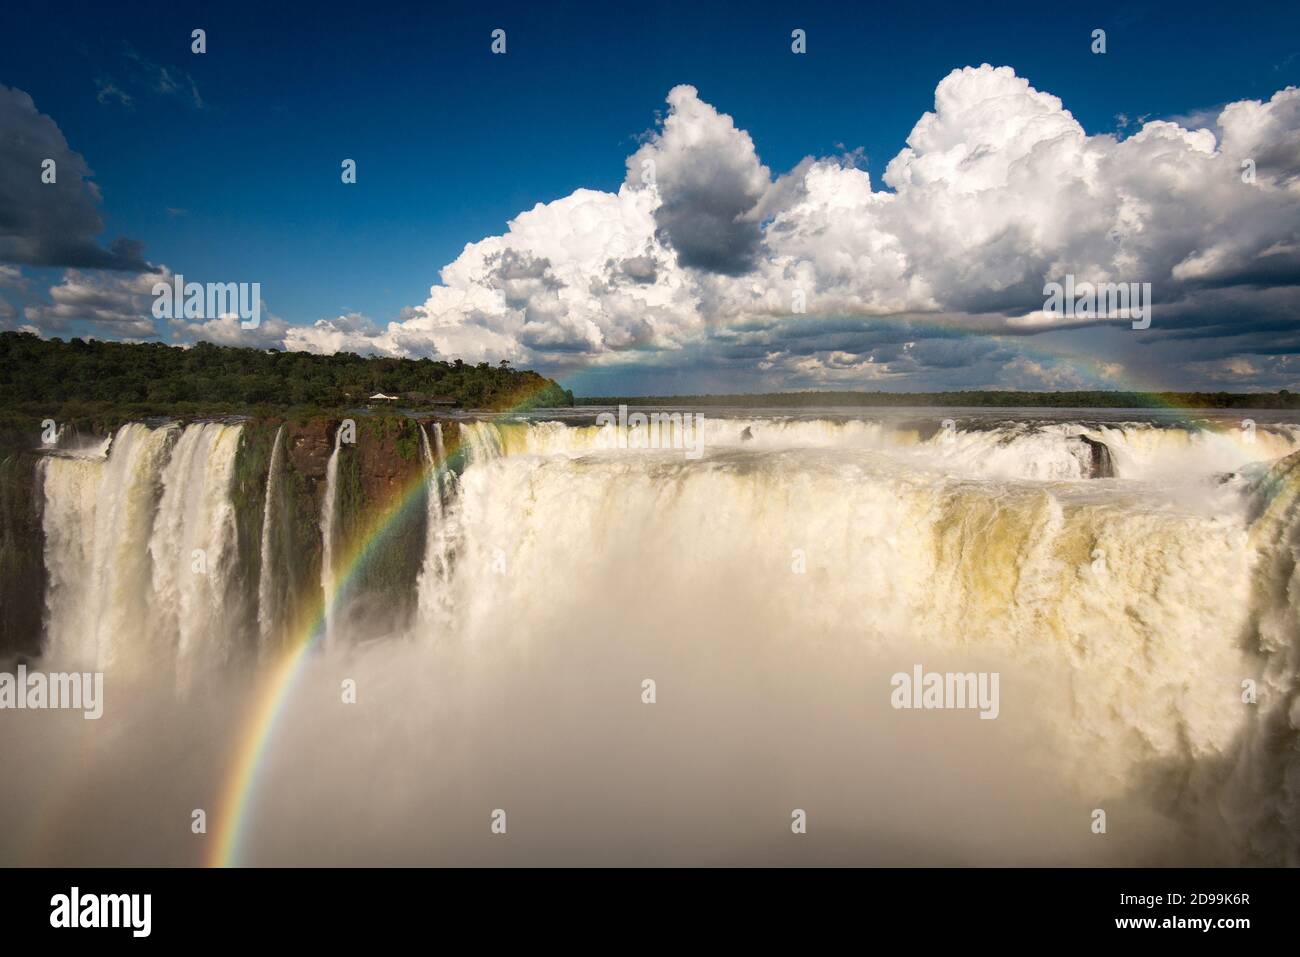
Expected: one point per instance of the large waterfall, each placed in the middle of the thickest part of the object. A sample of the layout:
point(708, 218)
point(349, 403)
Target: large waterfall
point(139, 547)
point(192, 547)
point(769, 588)
point(99, 517)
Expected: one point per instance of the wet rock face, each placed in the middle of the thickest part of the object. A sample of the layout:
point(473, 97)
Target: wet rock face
point(382, 474)
point(388, 456)
point(22, 537)
point(309, 445)
point(383, 457)
point(1101, 464)
point(377, 469)
point(22, 565)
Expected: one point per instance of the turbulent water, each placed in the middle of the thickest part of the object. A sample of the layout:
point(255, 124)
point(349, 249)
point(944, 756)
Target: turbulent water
point(1136, 593)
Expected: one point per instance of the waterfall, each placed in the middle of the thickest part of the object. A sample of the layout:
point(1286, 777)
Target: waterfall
point(193, 550)
point(483, 440)
point(97, 521)
point(1264, 787)
point(431, 467)
point(266, 613)
point(447, 475)
point(139, 548)
point(433, 518)
point(1124, 614)
point(327, 516)
point(432, 608)
point(439, 451)
point(892, 555)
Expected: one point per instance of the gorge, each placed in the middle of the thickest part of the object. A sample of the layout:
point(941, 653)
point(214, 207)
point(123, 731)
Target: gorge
point(498, 588)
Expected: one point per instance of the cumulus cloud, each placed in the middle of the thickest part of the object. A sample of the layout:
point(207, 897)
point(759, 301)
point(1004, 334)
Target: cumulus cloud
point(117, 305)
point(997, 191)
point(705, 259)
point(348, 333)
point(271, 331)
point(709, 184)
point(1268, 134)
point(109, 304)
point(50, 224)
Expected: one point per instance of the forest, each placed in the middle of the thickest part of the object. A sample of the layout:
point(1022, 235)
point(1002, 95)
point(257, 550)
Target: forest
point(81, 377)
point(52, 376)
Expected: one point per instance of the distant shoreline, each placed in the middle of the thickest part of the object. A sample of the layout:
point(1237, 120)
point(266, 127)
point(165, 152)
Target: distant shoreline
point(1281, 400)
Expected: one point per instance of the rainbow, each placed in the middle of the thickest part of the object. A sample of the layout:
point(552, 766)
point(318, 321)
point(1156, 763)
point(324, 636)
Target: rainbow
point(271, 697)
point(276, 689)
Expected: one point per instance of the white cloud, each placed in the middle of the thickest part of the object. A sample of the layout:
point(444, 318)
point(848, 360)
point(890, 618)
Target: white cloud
point(998, 190)
point(109, 303)
point(228, 330)
point(709, 185)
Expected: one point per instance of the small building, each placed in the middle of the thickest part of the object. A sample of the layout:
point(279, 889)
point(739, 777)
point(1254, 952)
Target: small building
point(380, 397)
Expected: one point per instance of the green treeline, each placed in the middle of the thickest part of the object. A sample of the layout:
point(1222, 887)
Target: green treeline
point(1063, 400)
point(51, 375)
point(118, 379)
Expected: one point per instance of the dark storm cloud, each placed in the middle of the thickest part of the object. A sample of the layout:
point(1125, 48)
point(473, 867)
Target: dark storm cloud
point(50, 224)
point(711, 187)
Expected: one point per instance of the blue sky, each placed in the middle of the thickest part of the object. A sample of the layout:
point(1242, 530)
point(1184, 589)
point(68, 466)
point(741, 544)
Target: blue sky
point(226, 165)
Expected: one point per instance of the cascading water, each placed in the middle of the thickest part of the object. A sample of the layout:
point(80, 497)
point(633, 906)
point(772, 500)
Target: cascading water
point(983, 539)
point(266, 611)
point(192, 547)
point(483, 439)
point(139, 548)
point(429, 570)
point(770, 586)
point(329, 509)
point(446, 476)
point(433, 611)
point(98, 518)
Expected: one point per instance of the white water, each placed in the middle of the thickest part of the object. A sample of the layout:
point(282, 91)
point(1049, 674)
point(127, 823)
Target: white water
point(192, 547)
point(485, 441)
point(266, 611)
point(98, 518)
point(430, 570)
point(1043, 450)
point(139, 548)
point(771, 588)
point(329, 509)
point(1130, 603)
point(446, 476)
